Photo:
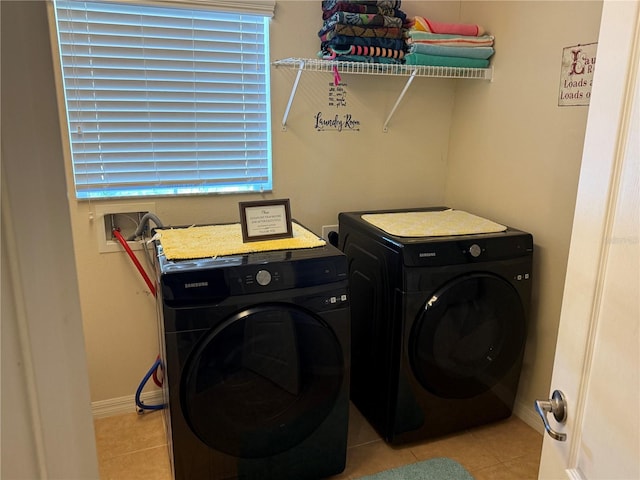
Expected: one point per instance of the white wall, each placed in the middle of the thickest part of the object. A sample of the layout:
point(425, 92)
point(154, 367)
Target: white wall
point(47, 428)
point(514, 154)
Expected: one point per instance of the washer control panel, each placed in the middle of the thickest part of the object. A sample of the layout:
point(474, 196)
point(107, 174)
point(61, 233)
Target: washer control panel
point(257, 279)
point(336, 299)
point(273, 276)
point(215, 279)
point(263, 277)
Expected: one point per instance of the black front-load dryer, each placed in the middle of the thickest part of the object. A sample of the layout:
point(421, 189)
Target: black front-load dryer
point(438, 326)
point(257, 355)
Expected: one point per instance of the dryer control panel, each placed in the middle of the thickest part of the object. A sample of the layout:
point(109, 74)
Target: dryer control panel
point(467, 249)
point(475, 250)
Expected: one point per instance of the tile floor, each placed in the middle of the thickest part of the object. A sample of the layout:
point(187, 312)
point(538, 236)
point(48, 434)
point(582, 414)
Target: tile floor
point(133, 446)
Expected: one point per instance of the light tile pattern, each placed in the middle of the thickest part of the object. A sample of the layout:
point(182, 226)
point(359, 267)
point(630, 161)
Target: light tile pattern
point(133, 446)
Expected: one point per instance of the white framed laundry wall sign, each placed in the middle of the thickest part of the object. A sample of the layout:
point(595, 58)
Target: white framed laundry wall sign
point(337, 117)
point(576, 74)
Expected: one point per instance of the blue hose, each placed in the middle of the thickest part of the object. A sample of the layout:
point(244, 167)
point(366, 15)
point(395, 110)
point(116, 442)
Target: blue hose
point(146, 378)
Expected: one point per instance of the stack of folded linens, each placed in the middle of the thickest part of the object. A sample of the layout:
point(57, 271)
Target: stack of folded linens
point(447, 44)
point(363, 31)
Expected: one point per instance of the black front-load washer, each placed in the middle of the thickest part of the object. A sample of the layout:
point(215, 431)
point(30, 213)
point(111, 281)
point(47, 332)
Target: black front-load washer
point(256, 349)
point(438, 326)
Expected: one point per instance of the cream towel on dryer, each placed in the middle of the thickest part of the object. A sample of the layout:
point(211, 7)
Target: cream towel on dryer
point(432, 224)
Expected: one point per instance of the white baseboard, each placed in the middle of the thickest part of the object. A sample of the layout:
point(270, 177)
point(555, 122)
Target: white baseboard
point(528, 415)
point(120, 405)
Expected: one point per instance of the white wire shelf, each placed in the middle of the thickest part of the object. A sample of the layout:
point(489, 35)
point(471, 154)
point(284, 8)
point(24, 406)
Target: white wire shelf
point(318, 65)
point(411, 71)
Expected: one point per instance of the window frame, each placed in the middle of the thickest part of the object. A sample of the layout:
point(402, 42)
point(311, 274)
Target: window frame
point(263, 9)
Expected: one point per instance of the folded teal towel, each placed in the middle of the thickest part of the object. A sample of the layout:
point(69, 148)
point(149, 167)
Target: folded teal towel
point(441, 61)
point(447, 51)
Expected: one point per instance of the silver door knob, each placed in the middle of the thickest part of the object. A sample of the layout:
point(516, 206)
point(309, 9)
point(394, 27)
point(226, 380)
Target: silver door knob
point(557, 405)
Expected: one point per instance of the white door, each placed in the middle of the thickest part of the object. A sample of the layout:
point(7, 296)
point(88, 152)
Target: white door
point(597, 363)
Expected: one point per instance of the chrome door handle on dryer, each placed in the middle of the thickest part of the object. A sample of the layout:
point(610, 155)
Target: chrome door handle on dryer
point(557, 405)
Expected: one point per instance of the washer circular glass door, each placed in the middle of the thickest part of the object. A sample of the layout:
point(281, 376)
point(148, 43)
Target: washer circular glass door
point(262, 381)
point(469, 334)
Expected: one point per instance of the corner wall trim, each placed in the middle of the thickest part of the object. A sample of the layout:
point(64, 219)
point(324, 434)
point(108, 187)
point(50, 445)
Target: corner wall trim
point(527, 414)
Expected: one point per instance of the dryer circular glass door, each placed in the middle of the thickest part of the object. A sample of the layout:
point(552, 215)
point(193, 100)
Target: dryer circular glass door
point(469, 334)
point(262, 381)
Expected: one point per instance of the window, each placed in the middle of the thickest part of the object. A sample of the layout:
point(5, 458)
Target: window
point(166, 100)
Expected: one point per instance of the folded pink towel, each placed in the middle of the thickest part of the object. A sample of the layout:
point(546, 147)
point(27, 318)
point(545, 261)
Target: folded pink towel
point(425, 25)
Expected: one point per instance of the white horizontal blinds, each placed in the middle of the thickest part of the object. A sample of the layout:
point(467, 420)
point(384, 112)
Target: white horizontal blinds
point(165, 101)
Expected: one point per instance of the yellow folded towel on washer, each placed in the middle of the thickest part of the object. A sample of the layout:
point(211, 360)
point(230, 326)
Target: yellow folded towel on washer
point(219, 240)
point(432, 224)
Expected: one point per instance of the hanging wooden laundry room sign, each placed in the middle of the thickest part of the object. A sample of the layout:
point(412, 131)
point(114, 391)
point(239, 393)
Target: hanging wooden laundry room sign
point(576, 74)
